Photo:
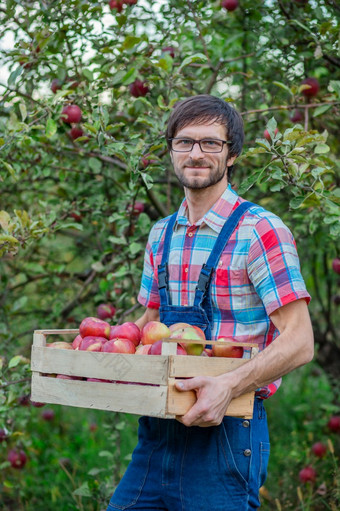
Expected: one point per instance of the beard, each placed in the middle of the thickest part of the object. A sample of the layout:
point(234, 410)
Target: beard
point(215, 175)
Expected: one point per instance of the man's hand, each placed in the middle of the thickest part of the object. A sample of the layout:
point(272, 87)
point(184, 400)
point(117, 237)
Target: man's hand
point(213, 398)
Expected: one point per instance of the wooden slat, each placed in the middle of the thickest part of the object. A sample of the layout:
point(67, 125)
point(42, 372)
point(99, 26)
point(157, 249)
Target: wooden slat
point(58, 331)
point(136, 399)
point(169, 348)
point(184, 367)
point(179, 402)
point(107, 366)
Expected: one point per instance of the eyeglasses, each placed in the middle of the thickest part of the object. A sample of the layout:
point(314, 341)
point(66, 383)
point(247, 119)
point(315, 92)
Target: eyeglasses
point(207, 145)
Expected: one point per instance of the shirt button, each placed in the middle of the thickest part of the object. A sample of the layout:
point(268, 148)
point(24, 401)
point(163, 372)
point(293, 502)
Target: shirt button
point(245, 424)
point(247, 452)
point(186, 270)
point(190, 234)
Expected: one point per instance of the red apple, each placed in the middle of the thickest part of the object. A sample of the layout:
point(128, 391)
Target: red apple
point(307, 475)
point(190, 333)
point(127, 330)
point(154, 331)
point(94, 326)
point(319, 449)
point(297, 116)
point(24, 400)
point(136, 209)
point(66, 377)
point(76, 342)
point(138, 88)
point(47, 415)
point(130, 2)
point(143, 349)
point(267, 135)
point(176, 326)
point(99, 380)
point(156, 349)
point(106, 311)
point(119, 346)
point(181, 350)
point(55, 85)
point(3, 435)
point(17, 458)
point(36, 404)
point(313, 88)
point(116, 4)
point(71, 113)
point(334, 424)
point(59, 345)
point(170, 50)
point(146, 161)
point(76, 133)
point(230, 5)
point(336, 265)
point(227, 351)
point(92, 343)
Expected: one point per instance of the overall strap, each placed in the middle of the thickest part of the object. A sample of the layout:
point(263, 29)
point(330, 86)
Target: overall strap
point(222, 240)
point(163, 280)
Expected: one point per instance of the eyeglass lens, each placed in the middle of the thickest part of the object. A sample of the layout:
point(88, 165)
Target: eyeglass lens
point(206, 145)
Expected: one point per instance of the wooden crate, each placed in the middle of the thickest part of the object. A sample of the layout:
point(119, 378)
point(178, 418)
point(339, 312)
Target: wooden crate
point(150, 390)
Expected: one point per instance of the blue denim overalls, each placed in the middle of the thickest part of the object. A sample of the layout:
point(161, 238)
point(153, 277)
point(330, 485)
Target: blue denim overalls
point(179, 468)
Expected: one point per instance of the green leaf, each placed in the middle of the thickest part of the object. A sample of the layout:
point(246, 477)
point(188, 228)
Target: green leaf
point(130, 76)
point(335, 86)
point(321, 149)
point(88, 74)
point(129, 42)
point(10, 169)
point(14, 75)
point(135, 248)
point(296, 202)
point(19, 303)
point(83, 490)
point(51, 128)
point(283, 86)
point(321, 110)
point(95, 164)
point(15, 361)
point(252, 179)
point(23, 111)
point(197, 57)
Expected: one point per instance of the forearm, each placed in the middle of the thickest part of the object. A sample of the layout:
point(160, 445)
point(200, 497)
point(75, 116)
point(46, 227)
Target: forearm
point(149, 315)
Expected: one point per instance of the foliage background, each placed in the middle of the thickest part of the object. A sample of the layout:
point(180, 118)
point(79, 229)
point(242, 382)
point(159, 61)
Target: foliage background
point(69, 238)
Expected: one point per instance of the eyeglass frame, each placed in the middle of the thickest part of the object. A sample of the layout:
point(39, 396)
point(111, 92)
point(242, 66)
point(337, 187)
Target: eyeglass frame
point(199, 143)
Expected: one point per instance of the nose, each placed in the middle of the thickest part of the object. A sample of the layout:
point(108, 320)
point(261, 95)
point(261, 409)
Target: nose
point(196, 151)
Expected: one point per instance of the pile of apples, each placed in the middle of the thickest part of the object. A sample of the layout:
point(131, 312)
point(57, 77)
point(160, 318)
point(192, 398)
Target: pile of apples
point(97, 335)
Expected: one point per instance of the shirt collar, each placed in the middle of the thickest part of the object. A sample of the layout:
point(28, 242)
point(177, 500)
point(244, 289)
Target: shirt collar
point(216, 216)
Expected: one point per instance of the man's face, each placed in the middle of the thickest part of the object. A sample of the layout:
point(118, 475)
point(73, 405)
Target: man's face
point(197, 170)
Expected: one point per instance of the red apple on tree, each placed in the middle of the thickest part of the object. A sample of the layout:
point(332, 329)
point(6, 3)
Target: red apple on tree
point(319, 449)
point(218, 350)
point(138, 88)
point(307, 474)
point(71, 113)
point(230, 5)
point(154, 331)
point(55, 85)
point(106, 311)
point(297, 116)
point(94, 326)
point(47, 414)
point(312, 89)
point(127, 330)
point(130, 2)
point(170, 50)
point(136, 208)
point(116, 4)
point(334, 424)
point(3, 435)
point(267, 136)
point(17, 458)
point(75, 133)
point(336, 265)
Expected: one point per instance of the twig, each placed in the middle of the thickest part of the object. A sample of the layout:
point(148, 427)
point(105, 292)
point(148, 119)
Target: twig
point(289, 107)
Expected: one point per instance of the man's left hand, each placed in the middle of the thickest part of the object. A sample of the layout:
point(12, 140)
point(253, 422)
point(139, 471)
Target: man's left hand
point(213, 398)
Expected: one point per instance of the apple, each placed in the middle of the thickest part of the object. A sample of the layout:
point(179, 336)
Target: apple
point(116, 4)
point(156, 349)
point(307, 474)
point(190, 333)
point(297, 116)
point(136, 208)
point(71, 113)
point(334, 424)
point(176, 326)
point(92, 343)
point(138, 88)
point(17, 458)
point(336, 265)
point(313, 88)
point(36, 404)
point(76, 342)
point(119, 346)
point(59, 345)
point(75, 133)
point(170, 50)
point(127, 330)
point(227, 351)
point(74, 83)
point(143, 349)
point(181, 350)
point(207, 352)
point(94, 326)
point(99, 380)
point(154, 331)
point(230, 5)
point(3, 435)
point(55, 85)
point(106, 311)
point(24, 400)
point(47, 415)
point(130, 2)
point(146, 161)
point(66, 377)
point(267, 135)
point(319, 449)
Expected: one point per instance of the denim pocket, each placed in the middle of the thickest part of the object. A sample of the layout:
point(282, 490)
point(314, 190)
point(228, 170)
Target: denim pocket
point(234, 441)
point(264, 458)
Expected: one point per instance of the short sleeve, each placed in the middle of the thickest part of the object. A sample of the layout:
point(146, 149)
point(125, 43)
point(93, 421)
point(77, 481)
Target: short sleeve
point(273, 264)
point(148, 293)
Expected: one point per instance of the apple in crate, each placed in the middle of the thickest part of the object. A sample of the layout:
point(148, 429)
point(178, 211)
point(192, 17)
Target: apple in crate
point(59, 345)
point(76, 342)
point(92, 343)
point(119, 346)
point(190, 333)
point(143, 349)
point(156, 349)
point(127, 330)
point(154, 331)
point(227, 351)
point(94, 326)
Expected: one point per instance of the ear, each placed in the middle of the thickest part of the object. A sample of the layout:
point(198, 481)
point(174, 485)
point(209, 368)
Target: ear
point(171, 157)
point(231, 160)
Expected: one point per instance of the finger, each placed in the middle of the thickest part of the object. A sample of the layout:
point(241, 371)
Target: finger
point(189, 384)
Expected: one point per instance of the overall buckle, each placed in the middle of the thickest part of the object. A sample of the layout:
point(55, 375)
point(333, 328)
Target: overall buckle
point(162, 276)
point(204, 280)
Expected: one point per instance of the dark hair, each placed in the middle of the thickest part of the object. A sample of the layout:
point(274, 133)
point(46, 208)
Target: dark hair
point(202, 109)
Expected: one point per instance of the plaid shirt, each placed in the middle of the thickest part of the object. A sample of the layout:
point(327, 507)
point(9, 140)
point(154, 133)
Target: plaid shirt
point(258, 270)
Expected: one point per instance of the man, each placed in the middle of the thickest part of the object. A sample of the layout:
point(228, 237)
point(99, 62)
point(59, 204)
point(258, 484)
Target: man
point(231, 268)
